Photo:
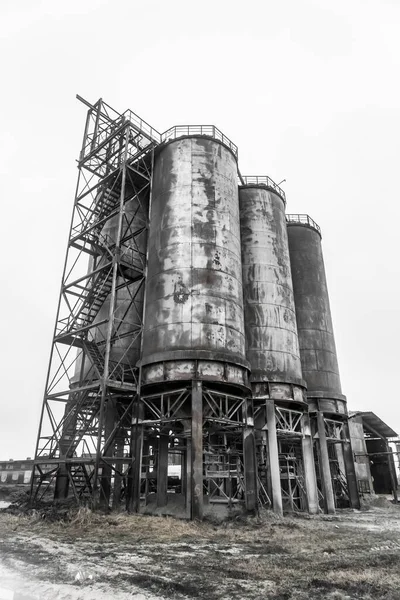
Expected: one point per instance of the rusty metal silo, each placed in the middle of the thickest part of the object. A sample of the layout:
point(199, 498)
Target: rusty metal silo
point(272, 346)
point(193, 334)
point(319, 359)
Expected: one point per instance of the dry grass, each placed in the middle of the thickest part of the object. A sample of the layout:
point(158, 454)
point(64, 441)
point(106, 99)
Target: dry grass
point(351, 556)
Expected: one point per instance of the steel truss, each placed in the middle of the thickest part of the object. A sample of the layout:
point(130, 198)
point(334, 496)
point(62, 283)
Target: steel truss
point(335, 435)
point(167, 422)
point(289, 432)
point(92, 383)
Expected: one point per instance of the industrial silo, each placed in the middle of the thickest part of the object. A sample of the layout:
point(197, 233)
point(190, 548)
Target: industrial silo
point(319, 362)
point(193, 338)
point(283, 437)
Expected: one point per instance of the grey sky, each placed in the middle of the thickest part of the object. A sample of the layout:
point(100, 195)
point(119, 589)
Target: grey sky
point(308, 90)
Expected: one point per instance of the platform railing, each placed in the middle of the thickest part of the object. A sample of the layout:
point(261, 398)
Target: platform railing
point(208, 130)
point(304, 220)
point(264, 180)
point(143, 126)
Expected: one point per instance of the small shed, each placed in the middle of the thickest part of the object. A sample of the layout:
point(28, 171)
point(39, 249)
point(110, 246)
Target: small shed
point(374, 462)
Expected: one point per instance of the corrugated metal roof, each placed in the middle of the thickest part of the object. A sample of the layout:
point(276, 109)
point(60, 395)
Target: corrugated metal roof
point(373, 421)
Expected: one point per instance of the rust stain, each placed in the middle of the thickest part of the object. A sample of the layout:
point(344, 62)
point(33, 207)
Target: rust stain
point(181, 293)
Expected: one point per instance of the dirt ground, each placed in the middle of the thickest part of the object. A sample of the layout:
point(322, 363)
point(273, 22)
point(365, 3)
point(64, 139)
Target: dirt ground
point(80, 555)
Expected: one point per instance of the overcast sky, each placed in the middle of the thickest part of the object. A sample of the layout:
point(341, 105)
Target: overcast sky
point(308, 90)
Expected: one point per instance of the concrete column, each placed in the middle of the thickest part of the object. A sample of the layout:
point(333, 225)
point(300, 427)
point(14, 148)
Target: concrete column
point(274, 458)
point(197, 451)
point(350, 469)
point(135, 470)
point(309, 466)
point(162, 470)
point(329, 499)
point(249, 456)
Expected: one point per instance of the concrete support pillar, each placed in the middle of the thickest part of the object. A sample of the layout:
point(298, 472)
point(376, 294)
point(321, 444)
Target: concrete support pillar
point(135, 471)
point(309, 466)
point(197, 451)
point(329, 499)
point(162, 470)
point(350, 469)
point(62, 481)
point(249, 457)
point(274, 458)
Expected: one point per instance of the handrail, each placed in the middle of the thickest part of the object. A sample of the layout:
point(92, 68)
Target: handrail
point(304, 220)
point(143, 126)
point(264, 180)
point(209, 130)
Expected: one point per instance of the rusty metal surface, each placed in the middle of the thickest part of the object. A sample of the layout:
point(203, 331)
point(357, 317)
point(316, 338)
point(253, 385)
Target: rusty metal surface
point(194, 306)
point(271, 333)
point(129, 301)
point(314, 322)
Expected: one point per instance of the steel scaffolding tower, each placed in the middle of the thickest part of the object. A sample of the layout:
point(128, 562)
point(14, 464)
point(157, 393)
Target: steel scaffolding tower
point(92, 387)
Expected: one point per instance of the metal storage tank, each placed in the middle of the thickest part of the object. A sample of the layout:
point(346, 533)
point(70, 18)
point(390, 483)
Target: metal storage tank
point(314, 321)
point(270, 318)
point(194, 299)
point(193, 337)
point(129, 300)
point(125, 350)
point(327, 404)
point(271, 332)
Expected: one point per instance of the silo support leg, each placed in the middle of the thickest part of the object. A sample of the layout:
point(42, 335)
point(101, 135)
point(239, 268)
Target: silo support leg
point(197, 450)
point(274, 458)
point(249, 458)
point(135, 471)
point(309, 466)
point(162, 470)
point(325, 467)
point(351, 477)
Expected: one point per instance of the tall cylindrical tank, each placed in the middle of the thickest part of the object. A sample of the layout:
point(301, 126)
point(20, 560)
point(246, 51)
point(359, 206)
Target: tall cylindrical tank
point(270, 318)
point(194, 324)
point(128, 308)
point(125, 348)
point(314, 321)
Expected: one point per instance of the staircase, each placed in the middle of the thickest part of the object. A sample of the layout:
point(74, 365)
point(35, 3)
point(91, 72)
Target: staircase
point(263, 498)
point(81, 481)
point(97, 358)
